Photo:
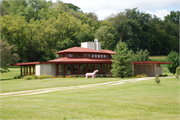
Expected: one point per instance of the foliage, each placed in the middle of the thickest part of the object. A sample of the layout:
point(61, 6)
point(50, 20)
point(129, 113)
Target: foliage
point(8, 56)
point(39, 28)
point(28, 78)
point(177, 72)
point(157, 80)
point(121, 62)
point(174, 58)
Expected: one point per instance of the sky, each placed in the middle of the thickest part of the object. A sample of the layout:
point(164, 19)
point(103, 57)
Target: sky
point(104, 8)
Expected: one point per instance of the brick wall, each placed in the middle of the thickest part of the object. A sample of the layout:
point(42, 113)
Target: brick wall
point(45, 69)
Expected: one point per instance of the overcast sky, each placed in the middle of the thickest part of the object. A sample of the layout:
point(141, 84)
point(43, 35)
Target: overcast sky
point(104, 8)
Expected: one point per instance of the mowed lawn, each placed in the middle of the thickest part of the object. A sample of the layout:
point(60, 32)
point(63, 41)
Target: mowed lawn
point(131, 100)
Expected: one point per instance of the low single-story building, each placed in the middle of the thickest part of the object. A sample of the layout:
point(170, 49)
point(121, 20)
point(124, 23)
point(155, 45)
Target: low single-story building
point(87, 58)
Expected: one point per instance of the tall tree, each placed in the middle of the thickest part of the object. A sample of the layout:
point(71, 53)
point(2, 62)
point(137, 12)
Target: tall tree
point(8, 56)
point(121, 62)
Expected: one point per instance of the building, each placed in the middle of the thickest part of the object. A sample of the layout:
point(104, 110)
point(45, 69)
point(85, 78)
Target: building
point(87, 58)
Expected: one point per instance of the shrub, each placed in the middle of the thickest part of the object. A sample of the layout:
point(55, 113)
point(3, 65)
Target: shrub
point(35, 76)
point(177, 72)
point(28, 78)
point(157, 80)
point(17, 77)
point(41, 76)
point(104, 75)
point(174, 58)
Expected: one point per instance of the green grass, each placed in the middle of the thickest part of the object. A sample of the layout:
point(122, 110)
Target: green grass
point(158, 58)
point(140, 100)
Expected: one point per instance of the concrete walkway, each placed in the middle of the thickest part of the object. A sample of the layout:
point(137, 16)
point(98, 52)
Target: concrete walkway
point(46, 90)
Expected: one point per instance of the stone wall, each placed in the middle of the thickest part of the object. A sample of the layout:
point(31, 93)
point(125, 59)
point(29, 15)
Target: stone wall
point(45, 69)
point(149, 69)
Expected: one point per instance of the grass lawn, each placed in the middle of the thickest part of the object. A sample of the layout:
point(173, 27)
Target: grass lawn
point(138, 100)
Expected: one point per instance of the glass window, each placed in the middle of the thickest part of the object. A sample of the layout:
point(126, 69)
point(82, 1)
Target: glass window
point(104, 56)
point(75, 68)
point(89, 55)
point(78, 55)
point(109, 68)
point(110, 56)
point(95, 55)
point(104, 68)
point(71, 55)
point(60, 69)
point(99, 55)
point(98, 67)
point(60, 56)
point(63, 55)
point(92, 55)
point(107, 56)
point(85, 55)
point(90, 67)
point(83, 68)
point(68, 68)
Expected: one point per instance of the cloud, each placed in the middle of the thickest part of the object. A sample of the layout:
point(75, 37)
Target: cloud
point(104, 8)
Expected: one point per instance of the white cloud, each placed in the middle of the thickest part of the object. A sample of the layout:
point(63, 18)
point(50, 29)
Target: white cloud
point(104, 8)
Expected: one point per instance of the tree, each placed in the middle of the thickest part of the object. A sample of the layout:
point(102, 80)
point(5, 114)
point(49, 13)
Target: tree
point(174, 58)
point(8, 56)
point(105, 36)
point(173, 17)
point(121, 62)
point(74, 7)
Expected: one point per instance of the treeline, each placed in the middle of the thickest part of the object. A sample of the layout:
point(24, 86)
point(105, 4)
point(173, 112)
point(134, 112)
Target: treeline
point(39, 28)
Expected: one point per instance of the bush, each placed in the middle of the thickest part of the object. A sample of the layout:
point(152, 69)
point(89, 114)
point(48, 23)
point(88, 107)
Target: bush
point(17, 77)
point(174, 58)
point(177, 72)
point(35, 76)
point(28, 78)
point(157, 80)
point(104, 75)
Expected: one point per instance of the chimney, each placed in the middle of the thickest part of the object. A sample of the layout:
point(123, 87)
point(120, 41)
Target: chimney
point(92, 45)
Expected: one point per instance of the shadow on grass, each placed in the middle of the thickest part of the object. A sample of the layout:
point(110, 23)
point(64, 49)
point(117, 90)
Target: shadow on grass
point(7, 79)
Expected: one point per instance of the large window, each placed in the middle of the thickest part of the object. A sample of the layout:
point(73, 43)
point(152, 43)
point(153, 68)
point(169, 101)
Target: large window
point(83, 68)
point(109, 68)
point(98, 67)
point(68, 69)
point(78, 55)
point(71, 55)
point(90, 67)
point(28, 70)
point(75, 68)
point(60, 69)
point(104, 68)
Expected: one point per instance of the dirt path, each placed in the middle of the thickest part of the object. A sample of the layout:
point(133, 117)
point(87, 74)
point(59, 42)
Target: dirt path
point(39, 91)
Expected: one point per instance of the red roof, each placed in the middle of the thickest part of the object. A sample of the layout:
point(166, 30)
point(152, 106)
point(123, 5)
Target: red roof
point(144, 62)
point(80, 60)
point(85, 50)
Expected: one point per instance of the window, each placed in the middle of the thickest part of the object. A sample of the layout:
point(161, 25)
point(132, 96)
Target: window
point(109, 68)
point(60, 56)
point(90, 67)
point(101, 56)
point(82, 68)
point(98, 67)
point(60, 69)
point(63, 55)
point(104, 68)
point(78, 55)
point(104, 56)
point(85, 55)
point(75, 68)
point(68, 68)
point(71, 55)
point(89, 55)
point(95, 55)
point(92, 55)
point(107, 56)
